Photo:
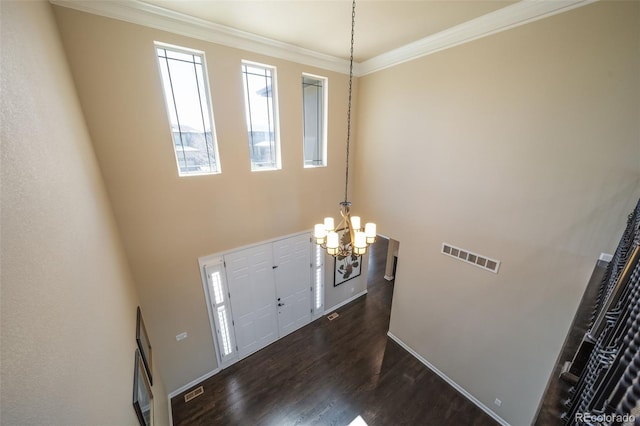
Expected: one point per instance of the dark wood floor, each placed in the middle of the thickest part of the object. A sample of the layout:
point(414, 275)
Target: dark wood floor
point(330, 372)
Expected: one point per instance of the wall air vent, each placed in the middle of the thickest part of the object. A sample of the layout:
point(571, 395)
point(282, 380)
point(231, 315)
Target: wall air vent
point(193, 394)
point(470, 257)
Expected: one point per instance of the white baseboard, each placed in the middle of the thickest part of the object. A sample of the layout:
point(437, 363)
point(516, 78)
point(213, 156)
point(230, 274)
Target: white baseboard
point(341, 304)
point(389, 277)
point(606, 257)
point(192, 384)
point(170, 414)
point(449, 381)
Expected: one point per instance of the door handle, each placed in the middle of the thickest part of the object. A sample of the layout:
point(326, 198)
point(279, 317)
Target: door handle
point(280, 304)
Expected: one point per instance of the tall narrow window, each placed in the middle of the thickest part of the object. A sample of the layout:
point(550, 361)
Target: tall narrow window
point(314, 120)
point(318, 280)
point(217, 289)
point(186, 94)
point(261, 114)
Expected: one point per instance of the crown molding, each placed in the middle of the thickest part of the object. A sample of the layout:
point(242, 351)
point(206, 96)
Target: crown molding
point(141, 13)
point(512, 16)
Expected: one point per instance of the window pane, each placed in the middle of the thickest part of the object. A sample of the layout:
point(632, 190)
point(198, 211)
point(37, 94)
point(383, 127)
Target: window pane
point(186, 95)
point(261, 117)
point(313, 104)
point(318, 263)
point(224, 331)
point(216, 286)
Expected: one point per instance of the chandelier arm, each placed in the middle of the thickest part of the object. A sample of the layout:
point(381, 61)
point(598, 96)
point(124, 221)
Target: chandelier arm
point(353, 24)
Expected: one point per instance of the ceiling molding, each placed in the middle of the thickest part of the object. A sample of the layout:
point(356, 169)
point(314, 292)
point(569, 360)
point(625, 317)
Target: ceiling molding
point(512, 16)
point(141, 13)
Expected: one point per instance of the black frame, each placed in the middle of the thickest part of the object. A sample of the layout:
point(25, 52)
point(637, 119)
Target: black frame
point(142, 395)
point(345, 240)
point(142, 339)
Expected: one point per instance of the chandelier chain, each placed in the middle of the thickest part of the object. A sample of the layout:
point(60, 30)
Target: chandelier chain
point(326, 234)
point(353, 24)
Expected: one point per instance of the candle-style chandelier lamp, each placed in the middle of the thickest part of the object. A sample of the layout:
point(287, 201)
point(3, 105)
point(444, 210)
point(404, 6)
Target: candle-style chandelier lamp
point(349, 238)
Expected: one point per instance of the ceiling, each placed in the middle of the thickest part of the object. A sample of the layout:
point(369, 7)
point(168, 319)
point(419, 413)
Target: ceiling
point(324, 26)
point(318, 32)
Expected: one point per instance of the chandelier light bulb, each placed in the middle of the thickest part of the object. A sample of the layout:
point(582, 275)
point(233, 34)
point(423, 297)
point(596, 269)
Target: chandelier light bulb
point(370, 232)
point(333, 243)
point(355, 222)
point(319, 233)
point(329, 224)
point(360, 243)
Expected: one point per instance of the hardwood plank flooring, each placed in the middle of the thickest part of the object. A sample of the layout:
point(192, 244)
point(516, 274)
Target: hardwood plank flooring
point(330, 372)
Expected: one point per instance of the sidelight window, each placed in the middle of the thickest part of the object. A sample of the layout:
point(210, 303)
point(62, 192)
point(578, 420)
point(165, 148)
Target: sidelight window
point(218, 292)
point(318, 280)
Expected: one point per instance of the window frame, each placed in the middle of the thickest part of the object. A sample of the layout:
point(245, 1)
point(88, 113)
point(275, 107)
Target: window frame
point(208, 99)
point(325, 120)
point(317, 281)
point(275, 114)
point(220, 331)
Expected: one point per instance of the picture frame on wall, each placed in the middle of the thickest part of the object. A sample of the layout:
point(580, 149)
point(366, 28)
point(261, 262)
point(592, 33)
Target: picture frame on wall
point(142, 339)
point(142, 395)
point(346, 267)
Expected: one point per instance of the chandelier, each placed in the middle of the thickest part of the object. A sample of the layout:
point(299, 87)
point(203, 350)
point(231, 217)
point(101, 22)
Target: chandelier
point(348, 238)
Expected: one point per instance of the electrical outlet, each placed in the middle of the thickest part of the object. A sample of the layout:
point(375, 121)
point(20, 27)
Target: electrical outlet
point(181, 336)
point(497, 402)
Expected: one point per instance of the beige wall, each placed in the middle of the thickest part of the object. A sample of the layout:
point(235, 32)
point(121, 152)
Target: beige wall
point(168, 222)
point(68, 300)
point(523, 146)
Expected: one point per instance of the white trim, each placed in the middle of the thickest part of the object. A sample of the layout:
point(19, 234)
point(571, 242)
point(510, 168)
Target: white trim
point(341, 304)
point(389, 277)
point(520, 13)
point(141, 13)
point(204, 260)
point(191, 384)
point(606, 257)
point(170, 412)
point(448, 380)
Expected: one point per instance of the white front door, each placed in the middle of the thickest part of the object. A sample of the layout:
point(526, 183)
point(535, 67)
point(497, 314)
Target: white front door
point(292, 259)
point(253, 298)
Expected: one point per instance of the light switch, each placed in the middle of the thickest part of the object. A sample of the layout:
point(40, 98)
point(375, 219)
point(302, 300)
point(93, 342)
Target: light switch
point(181, 336)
